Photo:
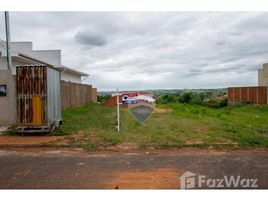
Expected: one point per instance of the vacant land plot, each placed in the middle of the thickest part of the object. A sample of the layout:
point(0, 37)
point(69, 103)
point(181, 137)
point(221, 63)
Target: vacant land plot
point(93, 127)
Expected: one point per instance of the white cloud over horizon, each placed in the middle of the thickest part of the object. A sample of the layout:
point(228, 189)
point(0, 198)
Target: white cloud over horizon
point(152, 50)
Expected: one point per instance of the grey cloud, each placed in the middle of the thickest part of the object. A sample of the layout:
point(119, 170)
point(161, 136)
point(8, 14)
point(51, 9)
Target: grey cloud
point(90, 37)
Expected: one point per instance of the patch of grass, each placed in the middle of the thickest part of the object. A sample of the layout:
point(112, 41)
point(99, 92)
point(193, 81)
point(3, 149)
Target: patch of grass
point(87, 117)
point(244, 125)
point(113, 138)
point(89, 147)
point(9, 132)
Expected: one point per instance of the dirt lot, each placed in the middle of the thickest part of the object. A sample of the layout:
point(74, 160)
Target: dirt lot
point(48, 168)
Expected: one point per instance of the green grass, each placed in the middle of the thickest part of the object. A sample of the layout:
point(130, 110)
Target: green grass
point(193, 125)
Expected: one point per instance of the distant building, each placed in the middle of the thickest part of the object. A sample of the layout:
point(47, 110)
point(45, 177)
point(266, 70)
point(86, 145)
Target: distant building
point(263, 75)
point(127, 98)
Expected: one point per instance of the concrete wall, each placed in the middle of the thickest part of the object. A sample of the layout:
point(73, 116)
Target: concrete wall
point(94, 95)
point(8, 103)
point(75, 94)
point(3, 63)
point(70, 77)
point(52, 57)
point(255, 95)
point(23, 47)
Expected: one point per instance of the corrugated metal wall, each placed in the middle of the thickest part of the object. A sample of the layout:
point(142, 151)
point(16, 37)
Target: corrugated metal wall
point(53, 96)
point(255, 95)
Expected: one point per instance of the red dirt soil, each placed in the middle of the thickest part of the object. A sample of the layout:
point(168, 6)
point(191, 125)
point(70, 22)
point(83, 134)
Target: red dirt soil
point(27, 140)
point(163, 178)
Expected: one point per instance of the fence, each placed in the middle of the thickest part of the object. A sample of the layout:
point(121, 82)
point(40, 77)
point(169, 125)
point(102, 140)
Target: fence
point(94, 95)
point(75, 94)
point(255, 95)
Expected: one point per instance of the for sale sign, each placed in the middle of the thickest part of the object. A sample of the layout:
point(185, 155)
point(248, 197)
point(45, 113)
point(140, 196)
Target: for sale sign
point(141, 105)
point(142, 113)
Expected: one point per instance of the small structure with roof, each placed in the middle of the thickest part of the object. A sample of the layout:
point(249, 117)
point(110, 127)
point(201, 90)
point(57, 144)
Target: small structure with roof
point(30, 89)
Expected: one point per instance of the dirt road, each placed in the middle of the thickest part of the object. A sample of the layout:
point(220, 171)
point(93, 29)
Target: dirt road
point(75, 169)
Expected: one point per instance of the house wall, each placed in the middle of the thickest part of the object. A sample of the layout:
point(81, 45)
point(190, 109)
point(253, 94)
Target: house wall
point(14, 62)
point(3, 63)
point(255, 95)
point(75, 94)
point(8, 103)
point(52, 57)
point(68, 77)
point(23, 47)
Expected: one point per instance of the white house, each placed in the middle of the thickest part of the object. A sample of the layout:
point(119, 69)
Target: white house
point(23, 53)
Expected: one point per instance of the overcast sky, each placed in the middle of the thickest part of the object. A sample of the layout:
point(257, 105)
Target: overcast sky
point(151, 50)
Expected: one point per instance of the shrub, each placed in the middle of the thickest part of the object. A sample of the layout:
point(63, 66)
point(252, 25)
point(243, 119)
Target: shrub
point(191, 98)
point(167, 98)
point(197, 98)
point(102, 99)
point(216, 103)
point(185, 97)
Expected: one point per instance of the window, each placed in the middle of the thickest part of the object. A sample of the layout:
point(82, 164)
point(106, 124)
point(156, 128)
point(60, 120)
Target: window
point(3, 90)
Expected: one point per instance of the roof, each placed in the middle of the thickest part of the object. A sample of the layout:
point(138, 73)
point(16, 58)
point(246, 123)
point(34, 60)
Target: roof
point(18, 55)
point(134, 93)
point(39, 61)
point(72, 71)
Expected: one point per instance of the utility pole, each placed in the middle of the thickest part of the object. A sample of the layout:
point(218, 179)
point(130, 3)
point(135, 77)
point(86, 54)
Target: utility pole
point(8, 39)
point(118, 111)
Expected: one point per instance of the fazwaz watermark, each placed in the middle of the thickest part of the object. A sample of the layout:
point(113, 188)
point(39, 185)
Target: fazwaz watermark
point(190, 180)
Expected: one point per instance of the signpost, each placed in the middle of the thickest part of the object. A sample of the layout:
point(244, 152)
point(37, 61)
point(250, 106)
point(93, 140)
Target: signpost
point(118, 111)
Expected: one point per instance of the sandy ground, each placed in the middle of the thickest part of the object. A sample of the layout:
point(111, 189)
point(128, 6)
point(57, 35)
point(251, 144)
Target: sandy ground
point(63, 168)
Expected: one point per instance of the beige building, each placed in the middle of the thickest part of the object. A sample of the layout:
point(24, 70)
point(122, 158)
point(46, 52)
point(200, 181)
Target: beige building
point(263, 75)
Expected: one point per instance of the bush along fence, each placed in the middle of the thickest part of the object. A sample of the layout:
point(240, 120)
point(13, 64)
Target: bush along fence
point(254, 95)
